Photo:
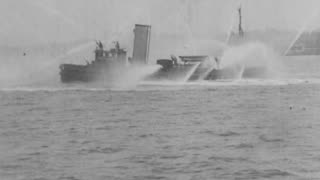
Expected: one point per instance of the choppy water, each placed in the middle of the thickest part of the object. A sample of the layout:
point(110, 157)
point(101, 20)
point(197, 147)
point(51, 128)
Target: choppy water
point(247, 129)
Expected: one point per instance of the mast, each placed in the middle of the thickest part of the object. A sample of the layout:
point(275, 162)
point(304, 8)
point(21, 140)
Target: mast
point(241, 32)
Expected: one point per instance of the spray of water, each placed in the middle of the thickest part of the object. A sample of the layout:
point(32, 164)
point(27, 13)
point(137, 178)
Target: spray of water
point(302, 30)
point(191, 72)
point(251, 56)
point(80, 48)
point(43, 5)
point(35, 70)
point(131, 76)
point(23, 71)
point(209, 64)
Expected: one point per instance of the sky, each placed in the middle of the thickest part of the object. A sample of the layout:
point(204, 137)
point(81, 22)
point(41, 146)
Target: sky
point(30, 22)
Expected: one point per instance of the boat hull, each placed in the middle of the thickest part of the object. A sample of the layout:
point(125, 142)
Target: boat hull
point(106, 71)
point(188, 73)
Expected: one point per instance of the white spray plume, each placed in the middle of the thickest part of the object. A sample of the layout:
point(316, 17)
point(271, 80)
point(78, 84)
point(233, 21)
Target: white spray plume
point(252, 55)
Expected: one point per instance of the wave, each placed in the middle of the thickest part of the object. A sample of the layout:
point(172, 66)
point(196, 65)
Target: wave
point(268, 139)
point(163, 85)
point(258, 174)
point(239, 82)
point(50, 89)
point(229, 133)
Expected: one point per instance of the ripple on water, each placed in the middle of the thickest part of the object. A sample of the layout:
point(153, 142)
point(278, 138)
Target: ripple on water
point(209, 132)
point(106, 150)
point(104, 128)
point(141, 159)
point(229, 133)
point(267, 139)
point(11, 167)
point(35, 154)
point(41, 178)
point(68, 178)
point(243, 146)
point(171, 157)
point(24, 159)
point(151, 177)
point(258, 174)
point(146, 135)
point(37, 109)
point(228, 159)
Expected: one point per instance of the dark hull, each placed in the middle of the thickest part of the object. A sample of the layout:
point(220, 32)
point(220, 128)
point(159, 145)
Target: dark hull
point(74, 73)
point(89, 73)
point(108, 72)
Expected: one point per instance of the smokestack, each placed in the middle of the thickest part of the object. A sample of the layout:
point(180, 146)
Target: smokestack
point(141, 44)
